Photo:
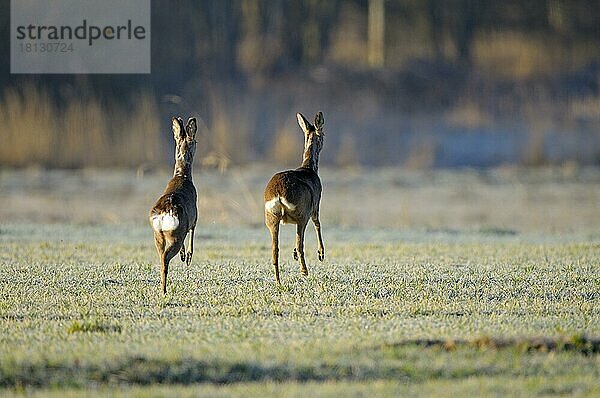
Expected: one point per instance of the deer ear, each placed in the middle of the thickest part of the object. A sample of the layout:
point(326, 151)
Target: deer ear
point(177, 128)
point(304, 124)
point(319, 120)
point(191, 128)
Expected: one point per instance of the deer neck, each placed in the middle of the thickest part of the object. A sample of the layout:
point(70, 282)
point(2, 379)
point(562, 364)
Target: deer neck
point(183, 167)
point(310, 158)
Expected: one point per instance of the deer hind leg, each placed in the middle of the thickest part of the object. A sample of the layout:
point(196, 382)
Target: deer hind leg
point(272, 222)
point(170, 251)
point(321, 248)
point(300, 228)
point(159, 242)
point(188, 257)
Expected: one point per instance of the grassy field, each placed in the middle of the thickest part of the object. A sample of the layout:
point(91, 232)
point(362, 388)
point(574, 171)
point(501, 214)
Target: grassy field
point(503, 303)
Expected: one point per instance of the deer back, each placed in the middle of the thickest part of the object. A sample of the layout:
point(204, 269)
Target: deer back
point(178, 200)
point(295, 194)
point(176, 209)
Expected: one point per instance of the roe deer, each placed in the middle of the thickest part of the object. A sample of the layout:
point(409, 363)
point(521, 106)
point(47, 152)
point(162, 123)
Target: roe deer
point(175, 213)
point(293, 196)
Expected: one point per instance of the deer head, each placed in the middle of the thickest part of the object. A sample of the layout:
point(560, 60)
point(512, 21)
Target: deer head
point(185, 145)
point(313, 140)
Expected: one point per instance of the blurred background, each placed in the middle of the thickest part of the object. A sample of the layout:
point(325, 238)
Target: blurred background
point(414, 83)
point(443, 115)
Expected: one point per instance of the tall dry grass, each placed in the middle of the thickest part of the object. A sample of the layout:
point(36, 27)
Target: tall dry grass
point(231, 125)
point(83, 132)
point(287, 148)
point(26, 118)
point(521, 55)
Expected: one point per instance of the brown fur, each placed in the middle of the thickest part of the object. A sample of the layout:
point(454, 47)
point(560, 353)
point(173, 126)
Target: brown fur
point(294, 196)
point(179, 200)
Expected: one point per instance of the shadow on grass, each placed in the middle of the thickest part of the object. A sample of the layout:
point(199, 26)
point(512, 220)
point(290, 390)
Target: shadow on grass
point(140, 370)
point(144, 371)
point(578, 343)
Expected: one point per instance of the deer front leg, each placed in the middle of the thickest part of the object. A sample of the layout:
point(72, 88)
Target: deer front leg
point(321, 248)
point(273, 225)
point(300, 228)
point(188, 258)
point(182, 253)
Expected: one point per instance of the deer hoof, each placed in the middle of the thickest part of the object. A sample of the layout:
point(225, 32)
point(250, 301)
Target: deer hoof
point(321, 255)
point(182, 254)
point(188, 259)
point(295, 255)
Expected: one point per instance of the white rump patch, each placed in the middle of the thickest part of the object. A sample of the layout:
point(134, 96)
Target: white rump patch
point(272, 205)
point(165, 222)
point(287, 204)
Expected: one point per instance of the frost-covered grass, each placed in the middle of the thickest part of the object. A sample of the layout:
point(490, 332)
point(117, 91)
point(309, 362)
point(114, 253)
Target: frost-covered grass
point(435, 282)
point(390, 311)
point(504, 200)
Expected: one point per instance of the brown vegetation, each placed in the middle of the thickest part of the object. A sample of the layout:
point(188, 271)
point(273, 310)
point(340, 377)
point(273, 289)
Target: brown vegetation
point(36, 131)
point(445, 77)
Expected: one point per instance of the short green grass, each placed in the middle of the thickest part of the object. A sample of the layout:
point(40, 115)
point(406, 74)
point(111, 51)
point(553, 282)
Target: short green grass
point(389, 312)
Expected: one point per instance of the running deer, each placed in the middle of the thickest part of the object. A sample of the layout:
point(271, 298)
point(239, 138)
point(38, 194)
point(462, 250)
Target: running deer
point(293, 196)
point(175, 213)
